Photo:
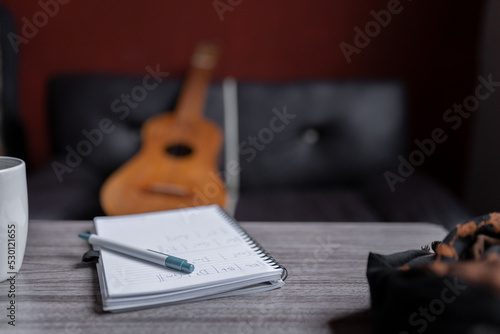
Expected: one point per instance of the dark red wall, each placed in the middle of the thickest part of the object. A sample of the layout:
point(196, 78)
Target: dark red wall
point(431, 45)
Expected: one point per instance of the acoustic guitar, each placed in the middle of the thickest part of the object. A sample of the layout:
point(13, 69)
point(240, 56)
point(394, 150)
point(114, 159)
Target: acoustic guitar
point(176, 165)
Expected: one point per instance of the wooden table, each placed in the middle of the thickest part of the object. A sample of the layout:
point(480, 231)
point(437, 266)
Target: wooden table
point(326, 290)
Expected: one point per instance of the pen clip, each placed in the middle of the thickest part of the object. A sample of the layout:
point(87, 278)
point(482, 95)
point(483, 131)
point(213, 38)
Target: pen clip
point(91, 257)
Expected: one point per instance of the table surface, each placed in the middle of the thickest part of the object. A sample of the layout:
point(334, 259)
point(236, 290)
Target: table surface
point(326, 290)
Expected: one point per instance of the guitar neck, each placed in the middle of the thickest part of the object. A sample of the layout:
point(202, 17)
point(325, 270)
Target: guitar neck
point(192, 98)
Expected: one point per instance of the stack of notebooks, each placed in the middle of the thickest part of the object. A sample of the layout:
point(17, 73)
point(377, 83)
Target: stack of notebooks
point(227, 260)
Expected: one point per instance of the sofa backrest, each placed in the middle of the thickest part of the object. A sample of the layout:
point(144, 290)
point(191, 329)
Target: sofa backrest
point(293, 134)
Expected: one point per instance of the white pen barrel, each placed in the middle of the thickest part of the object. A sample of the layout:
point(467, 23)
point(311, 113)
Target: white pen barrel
point(137, 252)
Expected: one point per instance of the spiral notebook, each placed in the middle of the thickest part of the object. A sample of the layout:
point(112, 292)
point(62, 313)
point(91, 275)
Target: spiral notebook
point(227, 260)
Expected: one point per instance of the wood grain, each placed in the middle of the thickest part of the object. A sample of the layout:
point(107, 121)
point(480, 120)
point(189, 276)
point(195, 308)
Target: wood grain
point(326, 289)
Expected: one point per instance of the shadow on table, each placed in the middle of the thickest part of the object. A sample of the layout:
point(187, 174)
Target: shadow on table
point(355, 323)
point(96, 291)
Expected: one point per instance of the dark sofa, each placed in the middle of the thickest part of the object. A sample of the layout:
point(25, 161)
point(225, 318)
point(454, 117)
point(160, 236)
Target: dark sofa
point(308, 151)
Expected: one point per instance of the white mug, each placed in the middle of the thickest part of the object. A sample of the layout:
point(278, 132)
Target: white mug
point(13, 216)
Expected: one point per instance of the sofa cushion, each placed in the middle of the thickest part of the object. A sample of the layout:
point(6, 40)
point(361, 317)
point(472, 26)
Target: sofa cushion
point(314, 204)
point(316, 133)
point(95, 120)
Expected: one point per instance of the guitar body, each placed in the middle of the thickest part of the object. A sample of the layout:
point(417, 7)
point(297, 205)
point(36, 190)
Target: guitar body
point(176, 166)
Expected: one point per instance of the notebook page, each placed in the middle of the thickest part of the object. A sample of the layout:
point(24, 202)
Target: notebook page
point(201, 235)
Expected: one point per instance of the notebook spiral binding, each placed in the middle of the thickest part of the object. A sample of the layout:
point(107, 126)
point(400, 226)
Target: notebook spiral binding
point(255, 245)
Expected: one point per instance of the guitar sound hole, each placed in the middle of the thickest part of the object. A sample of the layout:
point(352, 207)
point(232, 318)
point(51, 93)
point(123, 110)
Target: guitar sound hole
point(179, 150)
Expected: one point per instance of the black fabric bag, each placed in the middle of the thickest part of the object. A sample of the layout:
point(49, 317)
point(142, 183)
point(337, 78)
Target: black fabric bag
point(455, 289)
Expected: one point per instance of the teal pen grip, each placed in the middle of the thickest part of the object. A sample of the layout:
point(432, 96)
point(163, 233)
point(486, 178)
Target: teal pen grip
point(179, 264)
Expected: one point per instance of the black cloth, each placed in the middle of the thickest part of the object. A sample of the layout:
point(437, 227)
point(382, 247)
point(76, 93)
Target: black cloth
point(453, 289)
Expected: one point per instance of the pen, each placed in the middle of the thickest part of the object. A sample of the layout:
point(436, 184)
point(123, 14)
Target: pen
point(143, 254)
